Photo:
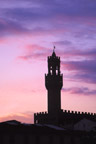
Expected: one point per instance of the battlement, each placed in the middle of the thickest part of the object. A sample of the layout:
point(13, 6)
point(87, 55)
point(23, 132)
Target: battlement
point(40, 113)
point(68, 112)
point(64, 117)
point(78, 112)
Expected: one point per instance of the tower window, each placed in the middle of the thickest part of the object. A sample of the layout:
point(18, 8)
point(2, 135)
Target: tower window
point(51, 72)
point(56, 72)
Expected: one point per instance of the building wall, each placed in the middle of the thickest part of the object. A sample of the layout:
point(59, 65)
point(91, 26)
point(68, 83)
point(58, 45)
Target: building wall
point(62, 117)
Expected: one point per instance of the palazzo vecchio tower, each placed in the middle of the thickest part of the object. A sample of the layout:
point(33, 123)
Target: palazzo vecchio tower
point(55, 115)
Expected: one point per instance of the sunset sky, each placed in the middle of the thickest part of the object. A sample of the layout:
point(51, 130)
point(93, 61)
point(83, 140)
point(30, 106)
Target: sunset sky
point(28, 31)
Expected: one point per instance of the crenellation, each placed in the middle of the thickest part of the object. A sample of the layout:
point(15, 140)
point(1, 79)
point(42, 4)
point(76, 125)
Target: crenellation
point(65, 111)
point(37, 114)
point(68, 111)
point(88, 113)
point(85, 113)
point(79, 112)
point(82, 113)
point(72, 112)
point(40, 114)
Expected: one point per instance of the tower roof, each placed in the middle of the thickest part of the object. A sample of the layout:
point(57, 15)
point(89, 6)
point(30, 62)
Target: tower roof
point(53, 54)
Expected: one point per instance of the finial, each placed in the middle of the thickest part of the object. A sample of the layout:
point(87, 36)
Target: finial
point(54, 49)
point(53, 54)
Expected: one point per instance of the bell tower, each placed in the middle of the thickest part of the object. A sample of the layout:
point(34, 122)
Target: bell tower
point(54, 83)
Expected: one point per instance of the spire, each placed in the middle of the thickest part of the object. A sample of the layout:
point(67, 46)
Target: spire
point(54, 49)
point(53, 54)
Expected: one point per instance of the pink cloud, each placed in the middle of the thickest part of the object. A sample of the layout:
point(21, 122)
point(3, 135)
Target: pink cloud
point(35, 52)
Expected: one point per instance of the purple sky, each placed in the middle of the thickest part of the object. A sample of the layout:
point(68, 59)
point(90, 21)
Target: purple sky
point(28, 31)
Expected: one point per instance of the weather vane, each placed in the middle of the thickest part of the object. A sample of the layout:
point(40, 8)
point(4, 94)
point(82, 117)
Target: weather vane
point(54, 48)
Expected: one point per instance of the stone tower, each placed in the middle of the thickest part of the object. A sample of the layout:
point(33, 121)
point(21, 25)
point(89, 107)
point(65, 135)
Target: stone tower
point(54, 83)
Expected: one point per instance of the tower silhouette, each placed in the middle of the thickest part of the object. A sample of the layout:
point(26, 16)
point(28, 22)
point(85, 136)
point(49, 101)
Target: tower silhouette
point(54, 83)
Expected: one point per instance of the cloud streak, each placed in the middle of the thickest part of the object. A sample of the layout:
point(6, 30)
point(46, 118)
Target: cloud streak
point(8, 27)
point(35, 52)
point(80, 91)
point(83, 66)
point(22, 117)
point(55, 15)
point(84, 71)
